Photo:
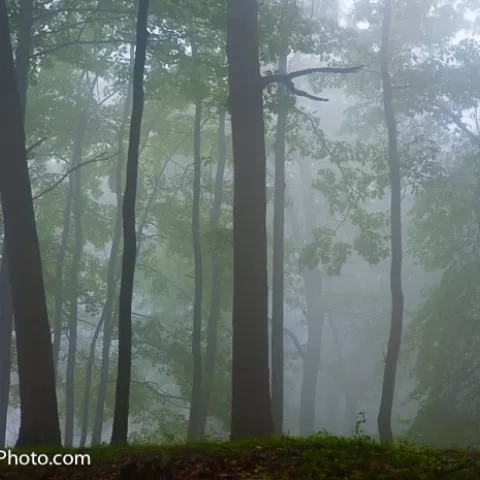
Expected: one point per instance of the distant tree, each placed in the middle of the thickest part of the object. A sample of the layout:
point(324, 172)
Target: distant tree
point(395, 338)
point(194, 423)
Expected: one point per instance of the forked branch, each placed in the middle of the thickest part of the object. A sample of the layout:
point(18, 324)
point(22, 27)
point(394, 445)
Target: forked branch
point(287, 79)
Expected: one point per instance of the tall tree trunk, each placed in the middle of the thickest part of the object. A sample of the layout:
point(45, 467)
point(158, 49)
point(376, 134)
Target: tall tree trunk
point(278, 257)
point(74, 272)
point(315, 316)
point(122, 392)
point(57, 325)
point(88, 381)
point(196, 394)
point(349, 417)
point(108, 308)
point(23, 50)
point(251, 404)
point(395, 338)
point(34, 348)
point(22, 62)
point(312, 280)
point(6, 327)
point(216, 287)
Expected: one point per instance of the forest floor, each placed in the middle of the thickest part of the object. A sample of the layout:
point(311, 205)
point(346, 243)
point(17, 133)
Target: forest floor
point(286, 458)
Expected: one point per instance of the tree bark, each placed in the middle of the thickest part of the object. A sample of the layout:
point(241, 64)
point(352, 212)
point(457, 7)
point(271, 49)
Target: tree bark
point(23, 50)
point(216, 287)
point(108, 308)
point(74, 272)
point(278, 257)
point(395, 338)
point(34, 348)
point(6, 327)
point(196, 394)
point(22, 62)
point(251, 404)
point(122, 392)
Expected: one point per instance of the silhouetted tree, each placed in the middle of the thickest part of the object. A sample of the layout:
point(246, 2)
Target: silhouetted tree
point(122, 392)
point(34, 348)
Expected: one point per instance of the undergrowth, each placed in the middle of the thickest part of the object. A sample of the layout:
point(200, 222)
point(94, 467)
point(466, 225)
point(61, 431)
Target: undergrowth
point(319, 457)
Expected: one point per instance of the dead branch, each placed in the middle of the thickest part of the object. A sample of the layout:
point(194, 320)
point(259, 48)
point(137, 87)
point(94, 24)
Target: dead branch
point(287, 79)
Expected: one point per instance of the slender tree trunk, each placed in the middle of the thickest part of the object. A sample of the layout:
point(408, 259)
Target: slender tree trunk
point(22, 63)
point(34, 348)
point(88, 381)
point(216, 287)
point(108, 308)
point(312, 280)
point(74, 272)
point(395, 338)
point(57, 329)
point(349, 417)
point(251, 404)
point(67, 216)
point(196, 394)
point(122, 393)
point(6, 327)
point(278, 257)
point(315, 316)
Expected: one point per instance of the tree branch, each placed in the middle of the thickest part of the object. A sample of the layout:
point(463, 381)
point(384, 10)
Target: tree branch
point(287, 79)
point(55, 48)
point(296, 343)
point(100, 157)
point(35, 145)
point(458, 122)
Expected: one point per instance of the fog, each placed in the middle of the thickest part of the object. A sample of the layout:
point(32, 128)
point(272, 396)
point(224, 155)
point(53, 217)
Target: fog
point(337, 301)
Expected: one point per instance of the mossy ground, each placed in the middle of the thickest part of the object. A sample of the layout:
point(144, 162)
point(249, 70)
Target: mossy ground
point(283, 458)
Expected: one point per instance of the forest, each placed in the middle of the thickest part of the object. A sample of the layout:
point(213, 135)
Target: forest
point(241, 238)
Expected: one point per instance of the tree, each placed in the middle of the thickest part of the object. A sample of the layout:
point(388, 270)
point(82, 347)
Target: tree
point(22, 62)
point(196, 394)
point(74, 274)
point(278, 256)
point(122, 393)
point(6, 325)
point(106, 318)
point(249, 231)
point(251, 405)
point(216, 280)
point(395, 338)
point(34, 349)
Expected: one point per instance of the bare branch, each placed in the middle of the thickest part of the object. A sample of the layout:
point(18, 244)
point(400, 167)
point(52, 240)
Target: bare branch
point(100, 157)
point(296, 343)
point(279, 77)
point(35, 145)
point(287, 79)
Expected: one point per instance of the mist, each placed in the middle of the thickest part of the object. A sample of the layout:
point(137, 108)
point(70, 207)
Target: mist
point(356, 267)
